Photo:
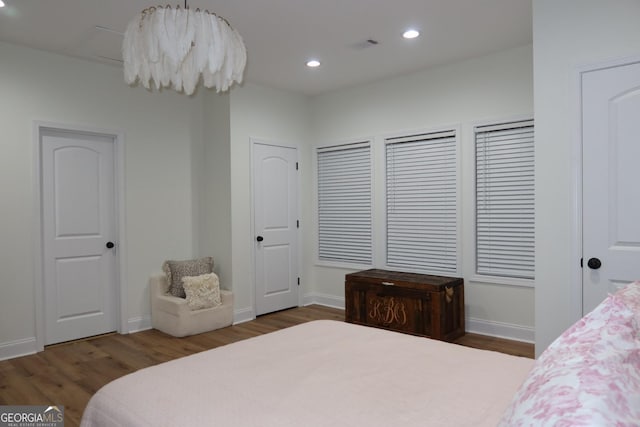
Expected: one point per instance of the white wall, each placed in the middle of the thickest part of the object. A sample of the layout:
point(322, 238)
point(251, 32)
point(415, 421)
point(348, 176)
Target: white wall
point(159, 128)
point(567, 35)
point(268, 115)
point(213, 180)
point(497, 86)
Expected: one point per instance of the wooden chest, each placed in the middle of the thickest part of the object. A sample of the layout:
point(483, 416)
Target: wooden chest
point(418, 304)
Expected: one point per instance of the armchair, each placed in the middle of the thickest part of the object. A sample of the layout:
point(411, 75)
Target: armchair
point(172, 316)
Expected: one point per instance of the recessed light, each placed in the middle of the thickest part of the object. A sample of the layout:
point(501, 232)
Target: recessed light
point(313, 63)
point(411, 34)
point(1, 3)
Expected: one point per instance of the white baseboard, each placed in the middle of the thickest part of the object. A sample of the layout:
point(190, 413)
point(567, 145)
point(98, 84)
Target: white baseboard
point(26, 346)
point(137, 324)
point(323, 299)
point(473, 325)
point(500, 330)
point(17, 348)
point(243, 315)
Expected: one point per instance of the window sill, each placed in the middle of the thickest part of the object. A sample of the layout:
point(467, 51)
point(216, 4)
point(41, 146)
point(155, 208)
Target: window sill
point(427, 272)
point(343, 265)
point(509, 281)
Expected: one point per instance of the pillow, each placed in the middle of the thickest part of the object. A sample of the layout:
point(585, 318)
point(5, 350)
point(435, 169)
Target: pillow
point(176, 270)
point(630, 296)
point(202, 291)
point(589, 376)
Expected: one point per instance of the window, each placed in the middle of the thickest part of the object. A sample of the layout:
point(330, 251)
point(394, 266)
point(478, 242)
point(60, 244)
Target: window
point(422, 198)
point(344, 204)
point(505, 200)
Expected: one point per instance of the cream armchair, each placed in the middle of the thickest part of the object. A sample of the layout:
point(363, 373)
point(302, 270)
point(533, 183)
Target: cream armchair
point(171, 314)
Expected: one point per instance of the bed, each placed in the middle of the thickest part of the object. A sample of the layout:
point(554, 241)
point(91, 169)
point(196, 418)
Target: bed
point(328, 373)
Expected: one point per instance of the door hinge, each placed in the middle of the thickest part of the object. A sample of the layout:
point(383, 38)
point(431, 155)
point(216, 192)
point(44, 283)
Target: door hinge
point(297, 223)
point(296, 165)
point(298, 281)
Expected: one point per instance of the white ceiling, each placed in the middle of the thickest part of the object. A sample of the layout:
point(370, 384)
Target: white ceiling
point(282, 34)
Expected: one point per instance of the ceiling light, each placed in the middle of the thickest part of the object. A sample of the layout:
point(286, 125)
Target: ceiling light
point(1, 3)
point(410, 34)
point(176, 47)
point(313, 63)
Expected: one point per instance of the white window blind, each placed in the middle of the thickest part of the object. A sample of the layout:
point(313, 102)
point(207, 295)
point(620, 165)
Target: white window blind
point(505, 200)
point(344, 204)
point(422, 203)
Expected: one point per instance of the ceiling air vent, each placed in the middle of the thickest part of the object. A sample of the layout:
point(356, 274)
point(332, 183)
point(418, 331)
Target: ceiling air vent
point(365, 44)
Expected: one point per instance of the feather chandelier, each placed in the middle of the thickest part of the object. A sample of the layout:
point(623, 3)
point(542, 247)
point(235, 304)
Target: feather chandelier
point(165, 46)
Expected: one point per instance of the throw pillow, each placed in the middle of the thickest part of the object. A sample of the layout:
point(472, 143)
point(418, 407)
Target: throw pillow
point(589, 376)
point(176, 270)
point(202, 291)
point(630, 296)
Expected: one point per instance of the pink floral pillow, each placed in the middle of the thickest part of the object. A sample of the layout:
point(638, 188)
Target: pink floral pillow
point(589, 376)
point(630, 296)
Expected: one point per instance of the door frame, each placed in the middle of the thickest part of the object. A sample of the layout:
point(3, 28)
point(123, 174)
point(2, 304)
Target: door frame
point(261, 141)
point(575, 297)
point(39, 127)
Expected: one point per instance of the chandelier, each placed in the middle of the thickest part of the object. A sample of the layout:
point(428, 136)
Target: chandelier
point(174, 47)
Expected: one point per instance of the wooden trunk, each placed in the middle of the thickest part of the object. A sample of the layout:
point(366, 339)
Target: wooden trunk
point(418, 304)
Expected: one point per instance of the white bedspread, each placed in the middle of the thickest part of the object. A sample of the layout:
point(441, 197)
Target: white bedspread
point(322, 373)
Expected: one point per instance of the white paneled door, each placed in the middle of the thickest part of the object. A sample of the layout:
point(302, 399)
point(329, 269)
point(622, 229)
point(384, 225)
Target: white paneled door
point(78, 231)
point(611, 177)
point(275, 202)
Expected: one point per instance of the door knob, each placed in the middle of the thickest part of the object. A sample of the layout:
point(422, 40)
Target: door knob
point(594, 263)
point(259, 238)
point(110, 245)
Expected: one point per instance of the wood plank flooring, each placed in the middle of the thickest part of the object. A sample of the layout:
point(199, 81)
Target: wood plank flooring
point(69, 374)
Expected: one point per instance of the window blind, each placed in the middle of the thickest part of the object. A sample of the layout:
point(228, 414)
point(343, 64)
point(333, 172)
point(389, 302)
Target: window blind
point(344, 204)
point(422, 202)
point(505, 200)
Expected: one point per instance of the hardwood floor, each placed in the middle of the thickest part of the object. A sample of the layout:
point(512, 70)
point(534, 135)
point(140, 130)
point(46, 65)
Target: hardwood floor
point(484, 342)
point(69, 374)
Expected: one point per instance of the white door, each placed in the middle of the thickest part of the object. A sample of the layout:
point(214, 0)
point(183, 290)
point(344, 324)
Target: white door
point(611, 181)
point(78, 230)
point(275, 201)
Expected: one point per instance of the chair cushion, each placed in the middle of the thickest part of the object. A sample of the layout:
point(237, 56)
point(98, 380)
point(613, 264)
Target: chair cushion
point(202, 291)
point(176, 270)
